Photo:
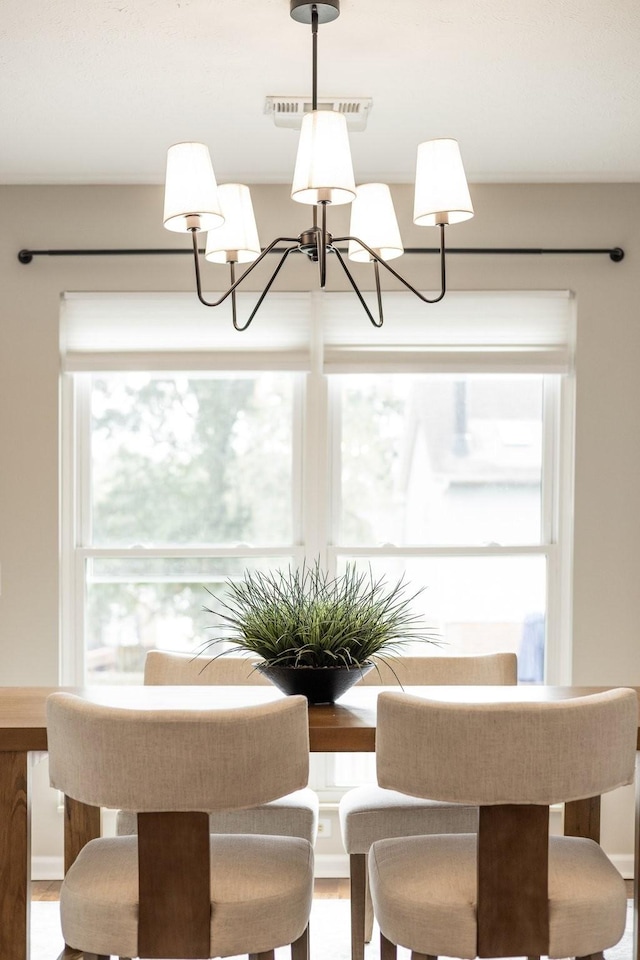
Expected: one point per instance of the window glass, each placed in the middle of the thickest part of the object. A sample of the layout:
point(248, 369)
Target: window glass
point(476, 605)
point(440, 460)
point(139, 604)
point(185, 459)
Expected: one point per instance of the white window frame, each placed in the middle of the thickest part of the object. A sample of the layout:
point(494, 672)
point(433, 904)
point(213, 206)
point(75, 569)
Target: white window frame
point(316, 473)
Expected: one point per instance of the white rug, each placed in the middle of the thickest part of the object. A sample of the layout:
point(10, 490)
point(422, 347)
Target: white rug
point(330, 936)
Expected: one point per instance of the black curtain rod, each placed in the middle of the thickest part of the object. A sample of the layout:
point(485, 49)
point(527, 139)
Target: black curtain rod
point(615, 253)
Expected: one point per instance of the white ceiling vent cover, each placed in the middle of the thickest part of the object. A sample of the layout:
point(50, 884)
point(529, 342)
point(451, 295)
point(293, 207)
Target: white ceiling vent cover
point(289, 111)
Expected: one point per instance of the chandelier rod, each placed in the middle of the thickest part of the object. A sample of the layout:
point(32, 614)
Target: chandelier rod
point(314, 57)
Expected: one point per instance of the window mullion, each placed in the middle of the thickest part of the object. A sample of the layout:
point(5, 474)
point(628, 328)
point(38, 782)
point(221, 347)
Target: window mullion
point(315, 522)
point(549, 505)
point(75, 504)
point(83, 460)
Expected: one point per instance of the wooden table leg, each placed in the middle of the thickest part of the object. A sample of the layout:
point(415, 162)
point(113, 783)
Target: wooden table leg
point(635, 951)
point(15, 855)
point(582, 818)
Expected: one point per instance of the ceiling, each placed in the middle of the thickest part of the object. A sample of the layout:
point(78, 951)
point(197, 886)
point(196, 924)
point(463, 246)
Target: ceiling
point(93, 91)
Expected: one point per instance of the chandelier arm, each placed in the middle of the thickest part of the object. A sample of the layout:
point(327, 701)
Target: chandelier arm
point(374, 256)
point(196, 259)
point(322, 245)
point(262, 295)
point(376, 272)
point(376, 323)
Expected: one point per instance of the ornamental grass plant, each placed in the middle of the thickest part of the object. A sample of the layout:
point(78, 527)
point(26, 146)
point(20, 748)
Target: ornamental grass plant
point(306, 618)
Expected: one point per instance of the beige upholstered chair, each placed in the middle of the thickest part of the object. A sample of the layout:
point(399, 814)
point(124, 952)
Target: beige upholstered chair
point(174, 890)
point(295, 815)
point(371, 813)
point(512, 890)
point(162, 668)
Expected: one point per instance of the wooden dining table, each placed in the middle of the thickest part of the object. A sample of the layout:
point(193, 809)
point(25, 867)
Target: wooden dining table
point(348, 726)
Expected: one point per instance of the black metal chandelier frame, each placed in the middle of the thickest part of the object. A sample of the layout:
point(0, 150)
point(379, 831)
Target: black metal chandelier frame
point(316, 242)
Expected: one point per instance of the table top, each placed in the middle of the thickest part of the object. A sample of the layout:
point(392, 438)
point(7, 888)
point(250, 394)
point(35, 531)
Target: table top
point(345, 727)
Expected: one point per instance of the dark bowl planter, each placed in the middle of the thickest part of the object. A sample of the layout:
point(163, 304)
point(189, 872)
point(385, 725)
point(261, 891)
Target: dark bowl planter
point(317, 684)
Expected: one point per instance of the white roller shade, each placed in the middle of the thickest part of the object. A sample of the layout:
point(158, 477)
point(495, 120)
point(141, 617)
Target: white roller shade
point(529, 331)
point(173, 331)
point(519, 331)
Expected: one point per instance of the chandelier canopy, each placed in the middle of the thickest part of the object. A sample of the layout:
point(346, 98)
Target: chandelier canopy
point(323, 176)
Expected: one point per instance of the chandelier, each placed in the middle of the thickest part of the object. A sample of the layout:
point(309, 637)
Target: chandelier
point(323, 175)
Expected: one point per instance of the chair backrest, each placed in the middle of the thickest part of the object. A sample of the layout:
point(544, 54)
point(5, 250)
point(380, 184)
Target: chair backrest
point(513, 760)
point(493, 668)
point(507, 753)
point(177, 760)
point(162, 668)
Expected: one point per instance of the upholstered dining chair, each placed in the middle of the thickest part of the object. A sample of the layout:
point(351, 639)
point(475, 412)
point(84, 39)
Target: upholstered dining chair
point(174, 890)
point(370, 813)
point(294, 815)
point(511, 890)
point(163, 667)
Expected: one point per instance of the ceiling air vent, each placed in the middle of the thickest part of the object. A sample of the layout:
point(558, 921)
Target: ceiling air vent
point(289, 111)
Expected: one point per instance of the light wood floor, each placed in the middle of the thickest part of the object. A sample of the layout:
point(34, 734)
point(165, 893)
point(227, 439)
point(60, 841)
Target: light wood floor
point(323, 889)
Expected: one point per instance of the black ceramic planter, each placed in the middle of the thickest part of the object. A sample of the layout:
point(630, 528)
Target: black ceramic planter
point(317, 684)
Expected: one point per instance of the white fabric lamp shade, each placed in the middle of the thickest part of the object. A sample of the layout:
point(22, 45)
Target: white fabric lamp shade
point(237, 239)
point(442, 193)
point(323, 170)
point(191, 192)
point(373, 220)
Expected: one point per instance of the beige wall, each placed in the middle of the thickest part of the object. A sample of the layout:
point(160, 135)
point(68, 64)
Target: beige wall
point(606, 607)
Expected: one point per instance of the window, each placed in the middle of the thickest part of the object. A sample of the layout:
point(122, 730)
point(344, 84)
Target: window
point(181, 471)
point(437, 448)
point(448, 470)
point(440, 478)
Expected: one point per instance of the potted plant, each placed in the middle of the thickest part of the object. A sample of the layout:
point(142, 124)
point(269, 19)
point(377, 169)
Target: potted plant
point(313, 633)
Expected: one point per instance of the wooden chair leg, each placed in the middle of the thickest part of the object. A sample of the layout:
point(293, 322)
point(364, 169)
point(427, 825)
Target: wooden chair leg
point(358, 872)
point(388, 950)
point(368, 906)
point(267, 955)
point(97, 956)
point(300, 947)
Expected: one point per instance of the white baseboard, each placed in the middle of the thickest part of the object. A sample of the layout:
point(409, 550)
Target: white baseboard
point(328, 865)
point(47, 868)
point(331, 865)
point(623, 862)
